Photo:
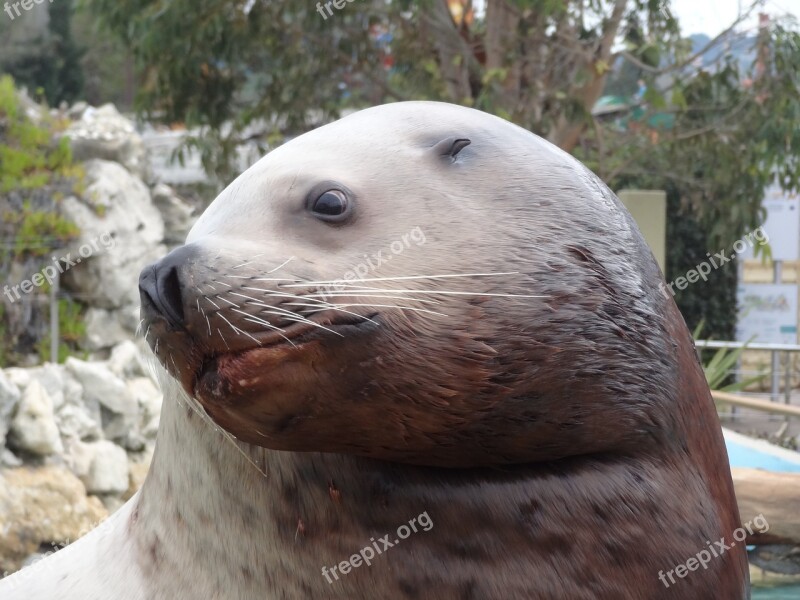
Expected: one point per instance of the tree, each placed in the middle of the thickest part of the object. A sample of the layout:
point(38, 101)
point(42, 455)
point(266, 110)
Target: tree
point(711, 133)
point(46, 61)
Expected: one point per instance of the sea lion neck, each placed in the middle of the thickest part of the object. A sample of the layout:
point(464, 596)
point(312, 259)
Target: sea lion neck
point(208, 520)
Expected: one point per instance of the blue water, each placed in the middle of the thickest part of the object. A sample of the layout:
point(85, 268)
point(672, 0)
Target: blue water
point(791, 592)
point(742, 456)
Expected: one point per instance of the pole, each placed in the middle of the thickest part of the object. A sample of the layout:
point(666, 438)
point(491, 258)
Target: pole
point(54, 334)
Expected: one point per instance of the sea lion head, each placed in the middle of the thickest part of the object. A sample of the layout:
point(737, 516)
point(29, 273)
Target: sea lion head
point(423, 283)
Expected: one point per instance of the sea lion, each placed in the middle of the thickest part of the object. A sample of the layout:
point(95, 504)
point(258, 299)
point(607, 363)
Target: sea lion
point(510, 408)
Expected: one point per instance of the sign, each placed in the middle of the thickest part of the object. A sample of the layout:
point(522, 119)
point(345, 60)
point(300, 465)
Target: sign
point(767, 313)
point(782, 225)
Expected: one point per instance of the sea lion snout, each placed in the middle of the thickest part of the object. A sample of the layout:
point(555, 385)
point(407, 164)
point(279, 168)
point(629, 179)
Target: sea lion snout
point(161, 287)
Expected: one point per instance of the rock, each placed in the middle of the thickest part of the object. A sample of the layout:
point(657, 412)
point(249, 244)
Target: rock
point(103, 330)
point(136, 476)
point(126, 361)
point(9, 460)
point(108, 470)
point(105, 134)
point(73, 391)
point(102, 385)
point(41, 507)
point(78, 456)
point(19, 377)
point(76, 421)
point(33, 428)
point(177, 214)
point(121, 232)
point(147, 395)
point(51, 377)
point(76, 111)
point(9, 398)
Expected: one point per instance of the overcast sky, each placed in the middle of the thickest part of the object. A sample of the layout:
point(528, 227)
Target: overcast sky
point(713, 16)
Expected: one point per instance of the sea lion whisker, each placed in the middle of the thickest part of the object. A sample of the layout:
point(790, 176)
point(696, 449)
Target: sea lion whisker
point(282, 312)
point(350, 294)
point(331, 307)
point(444, 293)
point(301, 319)
point(406, 278)
point(274, 294)
point(236, 330)
point(420, 310)
point(286, 262)
point(257, 321)
point(252, 278)
point(222, 337)
point(214, 304)
point(226, 300)
point(261, 321)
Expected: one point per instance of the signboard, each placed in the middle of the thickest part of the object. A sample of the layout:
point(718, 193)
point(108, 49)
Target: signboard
point(782, 225)
point(767, 313)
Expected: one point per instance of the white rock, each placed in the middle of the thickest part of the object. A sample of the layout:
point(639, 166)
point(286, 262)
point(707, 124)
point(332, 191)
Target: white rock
point(126, 360)
point(9, 460)
point(52, 379)
point(33, 428)
point(73, 391)
point(9, 398)
point(103, 386)
point(103, 330)
point(78, 456)
point(123, 229)
point(108, 472)
point(76, 421)
point(147, 395)
point(19, 377)
point(104, 133)
point(176, 212)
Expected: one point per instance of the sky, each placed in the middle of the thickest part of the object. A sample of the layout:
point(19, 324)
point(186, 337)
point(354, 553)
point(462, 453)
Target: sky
point(713, 16)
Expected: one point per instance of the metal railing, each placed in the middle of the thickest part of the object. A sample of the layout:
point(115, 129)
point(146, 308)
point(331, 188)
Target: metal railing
point(776, 351)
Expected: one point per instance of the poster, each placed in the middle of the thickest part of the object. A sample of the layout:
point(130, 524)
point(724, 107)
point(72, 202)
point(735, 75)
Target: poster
point(767, 313)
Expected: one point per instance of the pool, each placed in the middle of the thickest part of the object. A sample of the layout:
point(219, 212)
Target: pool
point(744, 451)
point(791, 592)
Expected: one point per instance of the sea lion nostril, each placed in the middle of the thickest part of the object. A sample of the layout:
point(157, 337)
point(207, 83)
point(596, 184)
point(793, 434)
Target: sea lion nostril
point(168, 285)
point(161, 288)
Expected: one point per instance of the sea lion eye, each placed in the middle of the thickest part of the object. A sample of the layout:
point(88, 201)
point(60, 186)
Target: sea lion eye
point(330, 205)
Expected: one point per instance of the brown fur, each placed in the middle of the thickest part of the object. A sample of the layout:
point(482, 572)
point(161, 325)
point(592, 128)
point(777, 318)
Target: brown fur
point(564, 446)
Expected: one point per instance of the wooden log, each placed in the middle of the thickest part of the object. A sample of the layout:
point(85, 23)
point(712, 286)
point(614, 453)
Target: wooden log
point(776, 496)
point(770, 407)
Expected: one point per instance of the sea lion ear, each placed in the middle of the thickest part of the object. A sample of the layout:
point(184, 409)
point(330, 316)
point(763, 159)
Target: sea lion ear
point(450, 147)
